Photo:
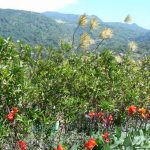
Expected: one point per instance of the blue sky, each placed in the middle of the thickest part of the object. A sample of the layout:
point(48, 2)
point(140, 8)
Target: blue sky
point(114, 10)
point(107, 10)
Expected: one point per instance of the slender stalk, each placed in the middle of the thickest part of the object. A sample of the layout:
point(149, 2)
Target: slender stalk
point(145, 125)
point(99, 44)
point(73, 37)
point(78, 47)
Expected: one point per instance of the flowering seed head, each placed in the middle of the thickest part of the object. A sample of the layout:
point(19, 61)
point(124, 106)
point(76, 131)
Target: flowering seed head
point(106, 34)
point(133, 46)
point(83, 20)
point(85, 40)
point(128, 19)
point(119, 59)
point(93, 24)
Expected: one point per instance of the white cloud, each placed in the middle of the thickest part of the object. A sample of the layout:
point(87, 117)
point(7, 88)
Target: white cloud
point(36, 5)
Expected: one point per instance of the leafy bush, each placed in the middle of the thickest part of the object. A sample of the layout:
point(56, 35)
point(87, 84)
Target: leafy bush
point(48, 95)
point(47, 86)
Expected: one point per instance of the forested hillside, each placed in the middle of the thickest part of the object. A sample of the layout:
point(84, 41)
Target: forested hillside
point(32, 28)
point(50, 27)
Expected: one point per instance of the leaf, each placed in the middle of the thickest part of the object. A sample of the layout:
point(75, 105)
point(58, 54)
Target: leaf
point(118, 132)
point(74, 147)
point(106, 147)
point(138, 140)
point(129, 148)
point(127, 141)
point(19, 118)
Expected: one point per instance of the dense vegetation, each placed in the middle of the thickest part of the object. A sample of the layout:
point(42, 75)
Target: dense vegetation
point(47, 86)
point(74, 97)
point(50, 27)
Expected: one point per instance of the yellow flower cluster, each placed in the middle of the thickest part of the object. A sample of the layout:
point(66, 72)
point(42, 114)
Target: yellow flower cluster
point(106, 34)
point(85, 40)
point(93, 24)
point(132, 46)
point(83, 20)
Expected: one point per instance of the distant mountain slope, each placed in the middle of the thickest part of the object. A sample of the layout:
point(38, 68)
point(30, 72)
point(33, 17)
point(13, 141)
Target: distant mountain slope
point(33, 28)
point(144, 41)
point(126, 31)
point(50, 27)
point(144, 38)
point(67, 18)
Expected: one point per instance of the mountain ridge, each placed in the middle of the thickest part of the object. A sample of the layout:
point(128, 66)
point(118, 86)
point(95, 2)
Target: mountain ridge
point(50, 27)
point(69, 16)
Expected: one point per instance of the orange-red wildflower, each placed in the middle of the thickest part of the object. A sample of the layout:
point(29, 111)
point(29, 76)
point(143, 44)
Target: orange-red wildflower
point(132, 110)
point(142, 111)
point(22, 145)
point(59, 147)
point(10, 116)
point(90, 144)
point(91, 114)
point(15, 109)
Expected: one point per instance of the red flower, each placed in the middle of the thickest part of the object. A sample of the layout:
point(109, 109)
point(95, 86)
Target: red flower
point(91, 114)
point(142, 111)
point(100, 115)
point(59, 147)
point(22, 145)
point(106, 137)
point(110, 118)
point(107, 140)
point(106, 121)
point(90, 144)
point(15, 109)
point(132, 110)
point(10, 116)
point(147, 116)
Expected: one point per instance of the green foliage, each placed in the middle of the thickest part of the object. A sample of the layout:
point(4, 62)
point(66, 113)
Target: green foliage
point(131, 140)
point(49, 86)
point(48, 76)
